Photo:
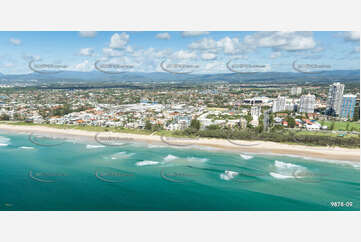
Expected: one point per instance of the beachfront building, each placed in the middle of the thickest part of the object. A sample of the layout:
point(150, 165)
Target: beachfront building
point(307, 103)
point(348, 106)
point(279, 104)
point(334, 98)
point(295, 91)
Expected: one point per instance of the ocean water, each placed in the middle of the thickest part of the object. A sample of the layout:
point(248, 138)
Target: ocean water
point(143, 177)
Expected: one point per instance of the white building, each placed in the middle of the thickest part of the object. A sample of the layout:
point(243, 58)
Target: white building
point(279, 104)
point(334, 99)
point(307, 103)
point(312, 127)
point(296, 91)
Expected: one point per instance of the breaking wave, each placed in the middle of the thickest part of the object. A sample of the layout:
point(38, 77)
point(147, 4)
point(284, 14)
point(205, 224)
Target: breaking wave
point(228, 175)
point(170, 158)
point(94, 146)
point(246, 157)
point(195, 159)
point(27, 148)
point(4, 141)
point(122, 155)
point(284, 170)
point(147, 163)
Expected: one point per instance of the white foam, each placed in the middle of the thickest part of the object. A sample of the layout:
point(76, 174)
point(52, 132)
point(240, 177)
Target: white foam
point(284, 165)
point(156, 146)
point(146, 163)
point(94, 146)
point(284, 170)
point(170, 158)
point(246, 157)
point(195, 159)
point(4, 141)
point(280, 176)
point(27, 148)
point(228, 175)
point(122, 155)
point(338, 162)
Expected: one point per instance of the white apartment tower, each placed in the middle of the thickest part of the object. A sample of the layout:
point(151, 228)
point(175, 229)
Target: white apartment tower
point(279, 104)
point(307, 103)
point(296, 91)
point(334, 99)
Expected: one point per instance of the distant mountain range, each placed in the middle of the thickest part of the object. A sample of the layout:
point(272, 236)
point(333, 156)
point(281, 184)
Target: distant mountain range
point(96, 76)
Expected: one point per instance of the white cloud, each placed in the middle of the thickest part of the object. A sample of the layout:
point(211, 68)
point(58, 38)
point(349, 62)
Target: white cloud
point(183, 54)
point(283, 40)
point(129, 49)
point(230, 45)
point(163, 36)
point(204, 44)
point(194, 33)
point(352, 36)
point(208, 56)
point(15, 41)
point(119, 41)
point(112, 52)
point(87, 34)
point(84, 66)
point(227, 45)
point(86, 52)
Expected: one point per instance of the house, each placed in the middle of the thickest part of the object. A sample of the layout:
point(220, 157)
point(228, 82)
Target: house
point(312, 127)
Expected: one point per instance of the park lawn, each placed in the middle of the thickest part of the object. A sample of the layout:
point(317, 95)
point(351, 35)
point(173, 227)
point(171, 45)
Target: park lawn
point(340, 125)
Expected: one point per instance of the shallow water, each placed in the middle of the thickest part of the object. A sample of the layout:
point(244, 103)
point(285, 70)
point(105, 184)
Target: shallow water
point(136, 176)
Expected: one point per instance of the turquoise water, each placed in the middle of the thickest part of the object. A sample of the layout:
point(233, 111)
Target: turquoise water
point(136, 176)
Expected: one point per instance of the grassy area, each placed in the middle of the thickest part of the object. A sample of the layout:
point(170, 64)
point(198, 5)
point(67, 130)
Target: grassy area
point(329, 134)
point(342, 126)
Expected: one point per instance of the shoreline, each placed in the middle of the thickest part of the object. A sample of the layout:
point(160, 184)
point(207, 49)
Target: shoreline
point(255, 147)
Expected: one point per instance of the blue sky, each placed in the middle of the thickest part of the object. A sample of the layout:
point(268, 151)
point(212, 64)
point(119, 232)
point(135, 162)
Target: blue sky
point(210, 50)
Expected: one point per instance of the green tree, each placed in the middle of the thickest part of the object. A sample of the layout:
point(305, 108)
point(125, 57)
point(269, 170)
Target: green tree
point(248, 118)
point(213, 127)
point(356, 115)
point(148, 125)
point(5, 117)
point(291, 122)
point(195, 124)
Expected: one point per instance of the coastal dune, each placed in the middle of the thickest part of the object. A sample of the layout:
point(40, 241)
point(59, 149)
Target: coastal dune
point(257, 147)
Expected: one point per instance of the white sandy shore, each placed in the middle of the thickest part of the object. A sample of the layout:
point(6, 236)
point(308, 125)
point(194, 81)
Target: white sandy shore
point(260, 147)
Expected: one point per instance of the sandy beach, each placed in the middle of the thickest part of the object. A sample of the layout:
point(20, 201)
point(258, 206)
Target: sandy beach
point(257, 147)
